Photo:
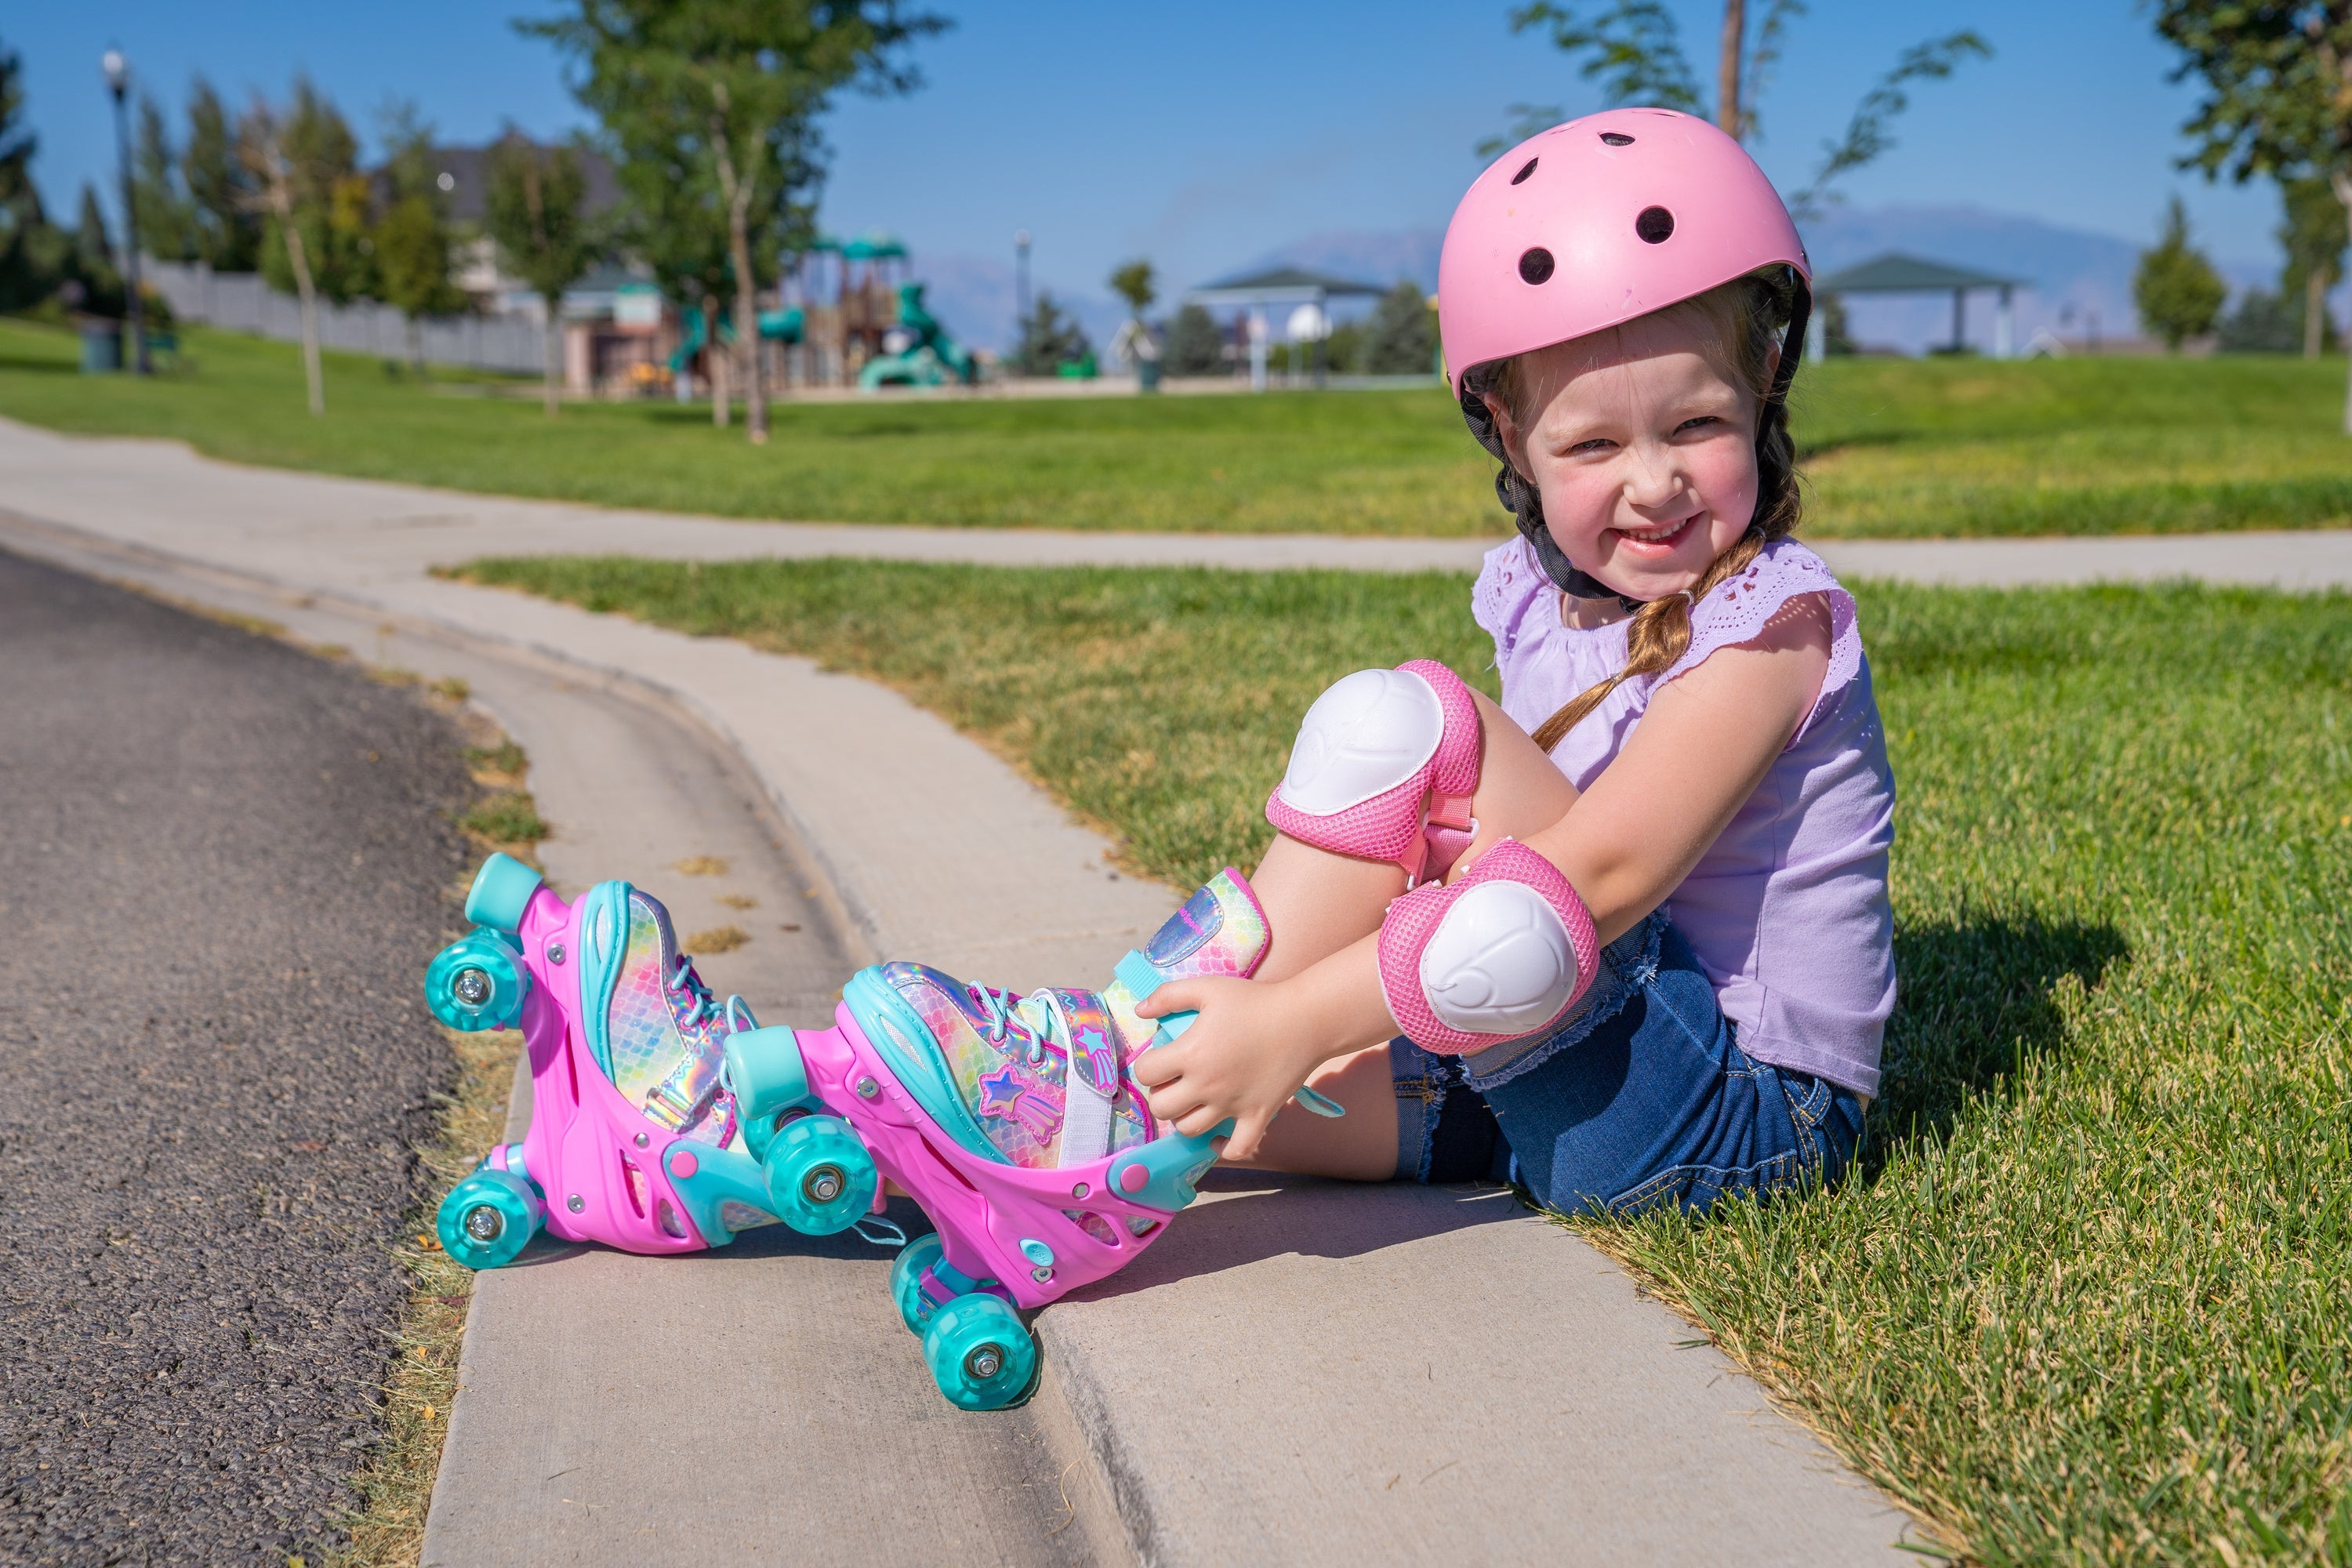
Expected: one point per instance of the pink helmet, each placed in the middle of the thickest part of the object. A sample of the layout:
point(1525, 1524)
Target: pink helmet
point(1597, 221)
point(1588, 225)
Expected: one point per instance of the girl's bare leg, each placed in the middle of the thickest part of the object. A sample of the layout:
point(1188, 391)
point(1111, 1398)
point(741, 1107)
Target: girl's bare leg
point(1318, 902)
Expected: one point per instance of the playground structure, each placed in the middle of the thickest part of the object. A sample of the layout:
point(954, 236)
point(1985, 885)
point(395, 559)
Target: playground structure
point(848, 316)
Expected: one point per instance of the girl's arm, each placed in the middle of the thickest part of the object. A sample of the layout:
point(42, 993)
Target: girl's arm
point(1705, 741)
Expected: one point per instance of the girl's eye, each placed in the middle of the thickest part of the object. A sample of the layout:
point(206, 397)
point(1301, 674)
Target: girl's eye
point(1598, 443)
point(1702, 422)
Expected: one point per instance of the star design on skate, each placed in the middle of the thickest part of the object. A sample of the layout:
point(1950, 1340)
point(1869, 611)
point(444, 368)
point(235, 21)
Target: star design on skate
point(1002, 1095)
point(999, 1092)
point(1098, 1060)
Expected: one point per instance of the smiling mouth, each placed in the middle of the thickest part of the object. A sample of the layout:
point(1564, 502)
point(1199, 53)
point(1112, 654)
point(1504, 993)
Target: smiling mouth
point(1658, 541)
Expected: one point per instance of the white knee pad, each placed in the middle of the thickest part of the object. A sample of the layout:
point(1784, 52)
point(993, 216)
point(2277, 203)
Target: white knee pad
point(1385, 763)
point(1501, 954)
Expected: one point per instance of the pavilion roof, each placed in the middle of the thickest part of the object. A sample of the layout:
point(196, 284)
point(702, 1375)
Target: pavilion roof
point(1894, 273)
point(1281, 283)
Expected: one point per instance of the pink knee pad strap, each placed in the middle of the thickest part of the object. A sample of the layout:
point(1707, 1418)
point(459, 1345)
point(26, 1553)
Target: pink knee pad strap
point(1384, 769)
point(1502, 953)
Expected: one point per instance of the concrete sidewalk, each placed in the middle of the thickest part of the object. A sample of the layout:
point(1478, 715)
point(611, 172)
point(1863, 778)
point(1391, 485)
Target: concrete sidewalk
point(378, 532)
point(1265, 1386)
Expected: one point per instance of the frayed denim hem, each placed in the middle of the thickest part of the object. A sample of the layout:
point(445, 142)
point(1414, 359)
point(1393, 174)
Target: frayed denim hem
point(1627, 966)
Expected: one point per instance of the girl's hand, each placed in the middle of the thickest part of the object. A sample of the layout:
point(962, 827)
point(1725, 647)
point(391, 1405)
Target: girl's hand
point(1243, 1058)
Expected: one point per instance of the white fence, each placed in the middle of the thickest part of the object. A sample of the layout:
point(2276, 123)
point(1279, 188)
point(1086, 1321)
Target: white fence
point(243, 302)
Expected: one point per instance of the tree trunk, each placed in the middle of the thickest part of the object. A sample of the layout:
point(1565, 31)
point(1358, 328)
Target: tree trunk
point(309, 294)
point(2314, 314)
point(720, 394)
point(737, 193)
point(1726, 70)
point(747, 328)
point(551, 352)
point(417, 346)
point(2340, 181)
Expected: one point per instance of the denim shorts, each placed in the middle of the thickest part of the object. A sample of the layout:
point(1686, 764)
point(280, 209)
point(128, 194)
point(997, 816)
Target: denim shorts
point(1642, 1097)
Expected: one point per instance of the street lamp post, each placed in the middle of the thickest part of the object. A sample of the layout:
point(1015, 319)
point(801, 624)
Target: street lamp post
point(118, 82)
point(1020, 277)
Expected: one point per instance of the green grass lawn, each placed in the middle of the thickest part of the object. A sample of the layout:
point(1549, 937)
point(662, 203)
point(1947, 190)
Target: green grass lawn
point(2089, 1301)
point(1893, 447)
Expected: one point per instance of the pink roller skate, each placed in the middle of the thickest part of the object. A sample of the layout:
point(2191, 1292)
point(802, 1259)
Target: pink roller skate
point(1011, 1121)
point(633, 1139)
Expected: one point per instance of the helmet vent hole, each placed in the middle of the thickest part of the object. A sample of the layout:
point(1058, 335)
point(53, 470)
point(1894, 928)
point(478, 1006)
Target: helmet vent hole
point(1524, 170)
point(1535, 266)
point(1654, 226)
point(1616, 139)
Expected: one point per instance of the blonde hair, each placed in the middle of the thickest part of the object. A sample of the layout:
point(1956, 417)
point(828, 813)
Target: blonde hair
point(1744, 318)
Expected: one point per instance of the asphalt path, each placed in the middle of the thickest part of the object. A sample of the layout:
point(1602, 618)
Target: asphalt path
point(223, 866)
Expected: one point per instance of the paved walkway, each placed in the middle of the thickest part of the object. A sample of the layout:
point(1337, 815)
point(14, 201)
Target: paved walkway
point(379, 532)
point(1571, 1417)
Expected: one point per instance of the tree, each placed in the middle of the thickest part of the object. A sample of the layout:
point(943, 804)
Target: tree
point(90, 265)
point(330, 200)
point(672, 221)
point(2261, 323)
point(535, 212)
point(32, 250)
point(1633, 49)
point(167, 220)
point(1194, 346)
point(412, 238)
point(2178, 293)
point(736, 85)
point(1049, 340)
point(224, 202)
point(2278, 92)
point(2313, 234)
point(262, 147)
point(1135, 284)
point(1402, 337)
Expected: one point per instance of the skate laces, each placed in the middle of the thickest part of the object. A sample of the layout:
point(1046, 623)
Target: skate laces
point(1035, 1015)
point(684, 981)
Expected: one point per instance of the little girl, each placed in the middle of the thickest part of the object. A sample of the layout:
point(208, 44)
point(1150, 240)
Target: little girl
point(1632, 922)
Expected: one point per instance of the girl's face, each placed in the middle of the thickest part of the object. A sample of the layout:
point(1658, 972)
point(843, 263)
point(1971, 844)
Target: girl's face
point(1643, 447)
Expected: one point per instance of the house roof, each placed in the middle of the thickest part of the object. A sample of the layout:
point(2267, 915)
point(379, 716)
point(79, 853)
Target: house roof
point(467, 170)
point(1894, 273)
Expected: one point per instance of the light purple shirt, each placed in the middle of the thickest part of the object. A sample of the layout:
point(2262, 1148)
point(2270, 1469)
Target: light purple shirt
point(1787, 910)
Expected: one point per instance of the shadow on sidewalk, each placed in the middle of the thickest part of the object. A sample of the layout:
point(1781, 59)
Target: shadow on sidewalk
point(1247, 1217)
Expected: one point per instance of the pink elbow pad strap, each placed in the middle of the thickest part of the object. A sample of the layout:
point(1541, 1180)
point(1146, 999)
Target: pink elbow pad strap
point(1501, 954)
point(1384, 769)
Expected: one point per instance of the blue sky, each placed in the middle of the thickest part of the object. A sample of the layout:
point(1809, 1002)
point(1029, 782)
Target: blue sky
point(1206, 134)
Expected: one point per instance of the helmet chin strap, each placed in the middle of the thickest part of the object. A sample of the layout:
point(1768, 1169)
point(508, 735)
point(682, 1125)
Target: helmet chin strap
point(1571, 578)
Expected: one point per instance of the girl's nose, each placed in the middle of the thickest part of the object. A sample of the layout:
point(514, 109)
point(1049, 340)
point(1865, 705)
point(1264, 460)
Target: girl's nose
point(1654, 477)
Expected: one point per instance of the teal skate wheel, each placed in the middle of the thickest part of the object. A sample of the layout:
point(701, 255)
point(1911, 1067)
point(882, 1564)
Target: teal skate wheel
point(819, 1175)
point(907, 1280)
point(981, 1356)
point(488, 1217)
point(765, 1071)
point(476, 982)
point(501, 890)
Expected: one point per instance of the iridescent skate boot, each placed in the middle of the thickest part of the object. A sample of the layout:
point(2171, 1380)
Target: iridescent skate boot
point(633, 1139)
point(1012, 1120)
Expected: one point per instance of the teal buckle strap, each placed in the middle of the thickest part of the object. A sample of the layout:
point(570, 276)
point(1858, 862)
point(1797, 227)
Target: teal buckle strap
point(1142, 979)
point(717, 1175)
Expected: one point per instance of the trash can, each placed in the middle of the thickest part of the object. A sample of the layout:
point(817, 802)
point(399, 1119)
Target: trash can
point(101, 347)
point(1147, 376)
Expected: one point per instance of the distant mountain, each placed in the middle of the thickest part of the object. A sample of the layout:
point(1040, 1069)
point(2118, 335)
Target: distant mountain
point(2078, 280)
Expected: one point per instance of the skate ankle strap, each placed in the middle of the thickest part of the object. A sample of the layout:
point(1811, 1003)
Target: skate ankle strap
point(1136, 972)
